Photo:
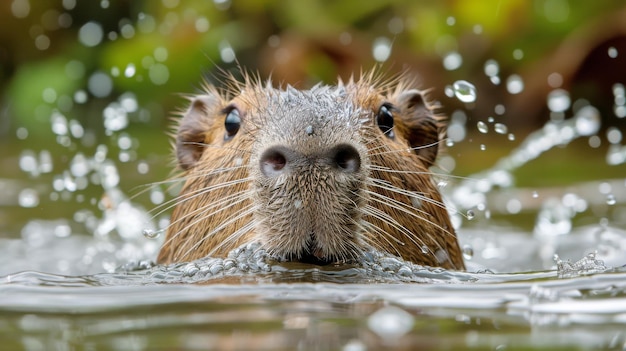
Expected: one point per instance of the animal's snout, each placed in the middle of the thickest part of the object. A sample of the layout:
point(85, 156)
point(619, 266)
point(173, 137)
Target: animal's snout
point(279, 159)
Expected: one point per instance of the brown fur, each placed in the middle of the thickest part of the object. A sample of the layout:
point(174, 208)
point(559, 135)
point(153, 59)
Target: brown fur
point(389, 203)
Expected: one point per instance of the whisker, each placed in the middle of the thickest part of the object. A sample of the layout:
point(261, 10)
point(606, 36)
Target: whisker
point(244, 212)
point(385, 200)
point(166, 206)
point(385, 185)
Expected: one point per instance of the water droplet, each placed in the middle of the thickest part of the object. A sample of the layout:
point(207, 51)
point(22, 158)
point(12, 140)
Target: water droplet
point(535, 194)
point(470, 215)
point(20, 8)
point(587, 120)
point(558, 100)
point(425, 249)
point(491, 68)
point(468, 252)
point(514, 84)
point(555, 80)
point(464, 91)
point(28, 198)
point(511, 137)
point(202, 24)
point(309, 130)
point(610, 200)
point(614, 135)
point(100, 84)
point(499, 109)
point(156, 196)
point(159, 73)
point(483, 147)
point(452, 61)
point(390, 322)
point(381, 49)
point(297, 203)
point(90, 34)
point(151, 233)
point(482, 127)
point(500, 128)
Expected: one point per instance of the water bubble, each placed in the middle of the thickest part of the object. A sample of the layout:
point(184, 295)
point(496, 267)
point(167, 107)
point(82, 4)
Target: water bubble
point(499, 109)
point(491, 68)
point(464, 91)
point(500, 128)
point(58, 123)
point(513, 206)
point(28, 198)
point(49, 95)
point(514, 84)
point(21, 133)
point(610, 200)
point(160, 54)
point(115, 117)
point(80, 97)
point(20, 8)
point(345, 38)
point(612, 52)
point(470, 215)
point(130, 70)
point(588, 120)
point(396, 25)
point(127, 30)
point(468, 252)
point(381, 49)
point(452, 61)
point(42, 42)
point(151, 233)
point(79, 166)
point(449, 91)
point(202, 24)
point(227, 53)
point(558, 100)
point(482, 127)
point(100, 84)
point(157, 196)
point(160, 74)
point(555, 80)
point(90, 34)
point(556, 11)
point(613, 135)
point(143, 167)
point(390, 322)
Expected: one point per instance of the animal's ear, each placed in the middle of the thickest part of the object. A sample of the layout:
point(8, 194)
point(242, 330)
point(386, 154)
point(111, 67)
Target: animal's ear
point(191, 137)
point(421, 129)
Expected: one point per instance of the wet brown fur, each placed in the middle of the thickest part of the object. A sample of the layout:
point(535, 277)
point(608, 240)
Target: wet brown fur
point(216, 210)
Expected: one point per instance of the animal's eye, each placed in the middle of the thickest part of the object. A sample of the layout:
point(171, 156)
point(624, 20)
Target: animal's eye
point(385, 120)
point(232, 123)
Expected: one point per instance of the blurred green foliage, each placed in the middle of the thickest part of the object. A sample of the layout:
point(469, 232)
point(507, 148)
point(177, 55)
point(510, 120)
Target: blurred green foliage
point(195, 35)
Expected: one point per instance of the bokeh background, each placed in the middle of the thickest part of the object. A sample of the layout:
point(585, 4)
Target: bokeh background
point(100, 78)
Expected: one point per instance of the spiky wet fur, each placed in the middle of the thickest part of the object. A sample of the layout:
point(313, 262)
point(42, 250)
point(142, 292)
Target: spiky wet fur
point(391, 204)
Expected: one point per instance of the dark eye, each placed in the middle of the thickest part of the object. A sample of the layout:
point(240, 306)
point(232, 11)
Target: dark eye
point(385, 120)
point(232, 123)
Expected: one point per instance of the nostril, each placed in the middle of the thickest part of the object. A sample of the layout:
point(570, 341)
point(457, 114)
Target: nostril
point(272, 162)
point(347, 158)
